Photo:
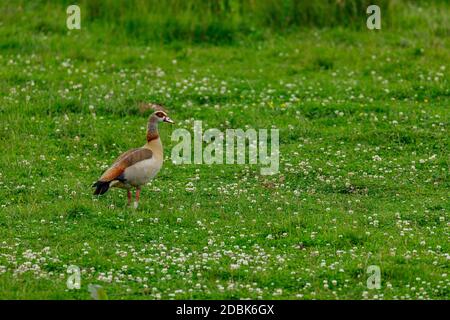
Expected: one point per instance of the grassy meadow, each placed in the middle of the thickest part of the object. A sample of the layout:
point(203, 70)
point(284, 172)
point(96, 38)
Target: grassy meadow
point(363, 118)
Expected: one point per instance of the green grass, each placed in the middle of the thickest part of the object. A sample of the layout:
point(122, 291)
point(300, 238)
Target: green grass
point(364, 167)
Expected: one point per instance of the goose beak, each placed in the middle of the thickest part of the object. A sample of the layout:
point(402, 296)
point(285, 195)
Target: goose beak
point(168, 120)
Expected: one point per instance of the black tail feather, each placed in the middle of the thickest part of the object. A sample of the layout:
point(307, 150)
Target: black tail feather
point(101, 187)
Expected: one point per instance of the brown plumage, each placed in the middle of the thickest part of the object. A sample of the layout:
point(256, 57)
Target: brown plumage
point(124, 161)
point(136, 167)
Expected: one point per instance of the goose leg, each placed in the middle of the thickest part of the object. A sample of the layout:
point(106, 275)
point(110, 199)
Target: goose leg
point(129, 196)
point(138, 194)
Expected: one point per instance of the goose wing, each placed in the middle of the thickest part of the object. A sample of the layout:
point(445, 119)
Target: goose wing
point(124, 161)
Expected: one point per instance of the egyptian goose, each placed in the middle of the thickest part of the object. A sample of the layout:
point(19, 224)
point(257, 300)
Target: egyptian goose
point(136, 167)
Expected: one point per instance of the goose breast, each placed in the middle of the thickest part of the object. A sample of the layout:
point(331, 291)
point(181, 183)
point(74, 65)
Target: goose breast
point(142, 172)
